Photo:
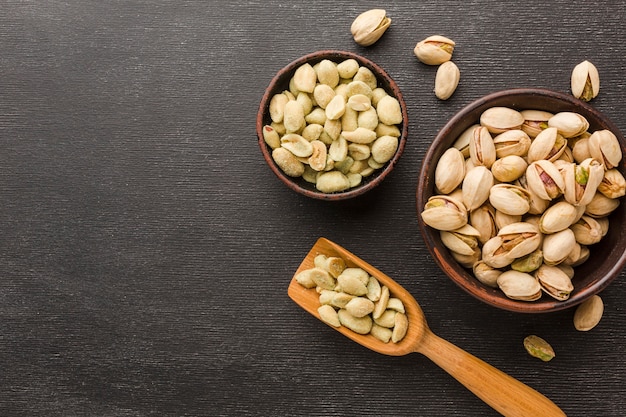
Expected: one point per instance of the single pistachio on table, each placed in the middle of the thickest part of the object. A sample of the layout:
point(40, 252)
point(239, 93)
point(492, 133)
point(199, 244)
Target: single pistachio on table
point(446, 80)
point(585, 81)
point(434, 50)
point(588, 314)
point(613, 184)
point(558, 246)
point(549, 144)
point(369, 26)
point(535, 121)
point(519, 285)
point(500, 119)
point(569, 124)
point(538, 348)
point(554, 282)
point(604, 146)
point(582, 181)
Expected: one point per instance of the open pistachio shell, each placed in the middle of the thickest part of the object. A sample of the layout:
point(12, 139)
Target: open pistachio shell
point(585, 81)
point(554, 282)
point(582, 181)
point(463, 240)
point(604, 146)
point(549, 144)
point(481, 147)
point(569, 124)
point(535, 121)
point(519, 286)
point(509, 199)
point(545, 180)
point(558, 246)
point(369, 26)
point(483, 219)
point(434, 50)
point(520, 239)
point(444, 213)
point(511, 142)
point(462, 142)
point(500, 119)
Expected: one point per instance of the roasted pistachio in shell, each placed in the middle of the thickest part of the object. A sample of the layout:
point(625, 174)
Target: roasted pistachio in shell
point(476, 185)
point(486, 274)
point(544, 179)
point(509, 168)
point(520, 239)
point(535, 121)
point(510, 199)
point(511, 142)
point(450, 171)
point(369, 26)
point(558, 246)
point(519, 285)
point(481, 147)
point(588, 314)
point(549, 144)
point(601, 206)
point(444, 213)
point(554, 282)
point(604, 146)
point(462, 142)
point(446, 80)
point(483, 219)
point(434, 50)
point(585, 81)
point(500, 119)
point(463, 241)
point(613, 184)
point(569, 124)
point(582, 181)
point(558, 217)
point(587, 230)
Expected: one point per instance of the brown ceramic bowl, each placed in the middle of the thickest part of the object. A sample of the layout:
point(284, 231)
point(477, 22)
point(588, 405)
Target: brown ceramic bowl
point(280, 83)
point(607, 257)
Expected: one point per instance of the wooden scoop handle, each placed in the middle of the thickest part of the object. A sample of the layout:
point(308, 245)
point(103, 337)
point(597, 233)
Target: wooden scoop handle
point(504, 393)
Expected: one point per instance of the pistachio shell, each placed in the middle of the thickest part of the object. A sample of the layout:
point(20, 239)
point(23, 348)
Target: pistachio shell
point(511, 142)
point(569, 124)
point(467, 261)
point(476, 186)
point(486, 274)
point(519, 286)
point(535, 121)
point(549, 144)
point(613, 184)
point(554, 282)
point(446, 80)
point(463, 240)
point(587, 230)
point(509, 199)
point(519, 239)
point(601, 206)
point(481, 147)
point(604, 146)
point(369, 26)
point(585, 81)
point(434, 50)
point(494, 255)
point(588, 314)
point(500, 119)
point(444, 213)
point(544, 179)
point(582, 181)
point(450, 171)
point(557, 246)
point(509, 168)
point(462, 142)
point(558, 217)
point(483, 219)
point(580, 150)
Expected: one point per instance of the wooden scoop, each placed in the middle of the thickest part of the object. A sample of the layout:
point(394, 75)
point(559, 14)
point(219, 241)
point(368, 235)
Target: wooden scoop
point(504, 393)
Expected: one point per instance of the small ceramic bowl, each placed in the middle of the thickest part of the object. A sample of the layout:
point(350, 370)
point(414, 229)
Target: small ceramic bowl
point(280, 83)
point(608, 257)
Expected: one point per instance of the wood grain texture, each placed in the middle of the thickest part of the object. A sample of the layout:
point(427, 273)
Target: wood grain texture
point(146, 248)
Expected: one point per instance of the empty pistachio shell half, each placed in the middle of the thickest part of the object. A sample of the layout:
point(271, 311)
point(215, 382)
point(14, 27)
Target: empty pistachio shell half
point(585, 81)
point(554, 282)
point(369, 26)
point(588, 314)
point(519, 285)
point(444, 213)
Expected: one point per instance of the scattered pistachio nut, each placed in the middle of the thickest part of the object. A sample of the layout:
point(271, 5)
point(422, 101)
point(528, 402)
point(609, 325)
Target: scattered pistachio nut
point(434, 50)
point(446, 80)
point(538, 348)
point(369, 26)
point(585, 81)
point(350, 297)
point(588, 313)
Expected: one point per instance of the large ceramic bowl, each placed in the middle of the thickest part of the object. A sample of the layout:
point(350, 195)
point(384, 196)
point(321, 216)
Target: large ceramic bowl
point(280, 83)
point(607, 258)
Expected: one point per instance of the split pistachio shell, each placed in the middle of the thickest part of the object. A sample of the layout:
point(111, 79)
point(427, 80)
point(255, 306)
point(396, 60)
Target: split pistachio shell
point(509, 168)
point(549, 144)
point(582, 181)
point(476, 186)
point(585, 81)
point(569, 124)
point(558, 217)
point(601, 206)
point(503, 219)
point(369, 26)
point(500, 119)
point(557, 246)
point(519, 239)
point(554, 282)
point(463, 241)
point(588, 314)
point(587, 230)
point(462, 142)
point(509, 199)
point(486, 274)
point(544, 179)
point(483, 219)
point(444, 213)
point(511, 142)
point(519, 286)
point(481, 147)
point(450, 171)
point(535, 121)
point(604, 146)
point(434, 50)
point(613, 184)
point(493, 255)
point(446, 80)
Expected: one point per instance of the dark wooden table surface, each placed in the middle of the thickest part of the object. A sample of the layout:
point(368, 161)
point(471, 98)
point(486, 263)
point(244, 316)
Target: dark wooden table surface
point(146, 248)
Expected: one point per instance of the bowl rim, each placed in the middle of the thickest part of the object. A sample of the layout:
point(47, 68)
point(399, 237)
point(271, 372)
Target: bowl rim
point(279, 79)
point(475, 288)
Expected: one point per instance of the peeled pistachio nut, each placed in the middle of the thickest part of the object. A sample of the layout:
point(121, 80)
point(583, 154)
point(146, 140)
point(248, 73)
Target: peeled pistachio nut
point(481, 147)
point(434, 50)
point(582, 181)
point(549, 144)
point(357, 87)
point(585, 81)
point(476, 187)
point(511, 142)
point(387, 319)
point(535, 121)
point(305, 78)
point(369, 26)
point(588, 314)
point(558, 246)
point(329, 315)
point(359, 151)
point(528, 263)
point(333, 181)
point(368, 119)
point(360, 325)
point(538, 348)
point(317, 160)
point(338, 149)
point(463, 241)
point(297, 145)
point(389, 111)
point(287, 162)
point(443, 212)
point(558, 217)
point(509, 199)
point(509, 168)
point(446, 80)
point(601, 206)
point(613, 184)
point(604, 146)
point(351, 284)
point(323, 94)
point(359, 102)
point(554, 282)
point(450, 171)
point(519, 285)
point(569, 124)
point(500, 119)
